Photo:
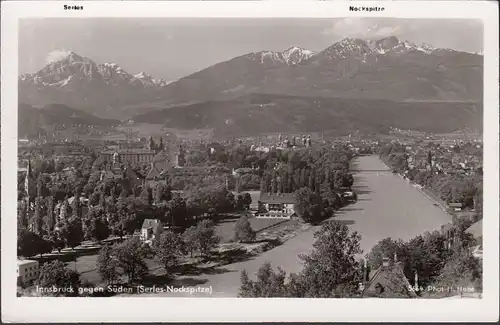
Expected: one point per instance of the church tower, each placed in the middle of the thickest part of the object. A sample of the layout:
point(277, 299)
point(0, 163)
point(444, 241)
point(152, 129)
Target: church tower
point(151, 144)
point(160, 145)
point(180, 159)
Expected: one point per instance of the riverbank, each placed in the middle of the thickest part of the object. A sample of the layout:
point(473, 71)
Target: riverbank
point(387, 206)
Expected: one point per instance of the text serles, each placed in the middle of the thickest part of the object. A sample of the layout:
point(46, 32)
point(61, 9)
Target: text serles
point(369, 9)
point(66, 7)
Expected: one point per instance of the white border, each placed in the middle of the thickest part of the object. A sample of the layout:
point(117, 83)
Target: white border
point(222, 309)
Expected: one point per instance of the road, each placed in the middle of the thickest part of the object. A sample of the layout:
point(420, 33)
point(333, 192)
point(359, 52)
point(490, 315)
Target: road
point(387, 206)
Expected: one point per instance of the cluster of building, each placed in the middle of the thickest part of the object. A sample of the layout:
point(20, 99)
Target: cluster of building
point(445, 159)
point(161, 160)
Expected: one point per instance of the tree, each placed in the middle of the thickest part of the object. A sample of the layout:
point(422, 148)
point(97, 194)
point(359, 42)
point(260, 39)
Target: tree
point(239, 202)
point(112, 193)
point(64, 210)
point(76, 208)
point(56, 239)
point(96, 227)
point(158, 193)
point(201, 237)
point(102, 200)
point(22, 215)
point(463, 270)
point(424, 255)
point(72, 232)
point(107, 265)
point(386, 247)
point(189, 237)
point(168, 248)
point(37, 216)
point(55, 275)
point(130, 258)
point(243, 231)
point(330, 270)
point(309, 205)
point(206, 237)
point(247, 201)
point(332, 265)
point(30, 244)
point(268, 284)
point(49, 220)
point(94, 198)
point(176, 212)
point(147, 195)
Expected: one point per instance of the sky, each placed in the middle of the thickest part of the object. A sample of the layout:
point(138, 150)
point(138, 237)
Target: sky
point(171, 48)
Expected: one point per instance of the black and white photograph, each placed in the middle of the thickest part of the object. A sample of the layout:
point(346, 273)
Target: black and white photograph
point(250, 157)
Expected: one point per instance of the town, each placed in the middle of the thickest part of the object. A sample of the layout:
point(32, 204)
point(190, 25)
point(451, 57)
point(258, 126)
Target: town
point(338, 157)
point(162, 211)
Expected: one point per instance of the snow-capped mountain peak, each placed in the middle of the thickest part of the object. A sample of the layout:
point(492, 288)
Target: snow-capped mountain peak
point(295, 55)
point(291, 56)
point(348, 48)
point(143, 75)
point(68, 68)
point(148, 80)
point(358, 48)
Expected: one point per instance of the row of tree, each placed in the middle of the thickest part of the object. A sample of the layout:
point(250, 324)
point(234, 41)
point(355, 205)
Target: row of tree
point(67, 225)
point(310, 168)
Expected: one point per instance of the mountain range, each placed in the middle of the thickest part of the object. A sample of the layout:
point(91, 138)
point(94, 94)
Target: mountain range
point(387, 69)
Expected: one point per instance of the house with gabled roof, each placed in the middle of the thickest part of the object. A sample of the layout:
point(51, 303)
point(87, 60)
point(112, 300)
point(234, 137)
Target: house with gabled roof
point(150, 230)
point(276, 205)
point(388, 281)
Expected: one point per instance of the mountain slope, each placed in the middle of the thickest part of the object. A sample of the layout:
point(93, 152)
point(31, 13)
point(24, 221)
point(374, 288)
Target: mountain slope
point(385, 69)
point(267, 113)
point(388, 68)
point(79, 82)
point(33, 120)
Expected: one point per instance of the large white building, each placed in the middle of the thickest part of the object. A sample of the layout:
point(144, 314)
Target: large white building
point(27, 270)
point(276, 205)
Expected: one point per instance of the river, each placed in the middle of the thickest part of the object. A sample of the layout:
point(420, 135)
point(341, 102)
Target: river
point(387, 206)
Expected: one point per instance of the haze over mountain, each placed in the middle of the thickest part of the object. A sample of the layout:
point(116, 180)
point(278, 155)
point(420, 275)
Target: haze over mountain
point(33, 120)
point(270, 113)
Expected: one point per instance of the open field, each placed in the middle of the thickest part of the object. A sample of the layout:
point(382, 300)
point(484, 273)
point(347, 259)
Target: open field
point(155, 130)
point(143, 129)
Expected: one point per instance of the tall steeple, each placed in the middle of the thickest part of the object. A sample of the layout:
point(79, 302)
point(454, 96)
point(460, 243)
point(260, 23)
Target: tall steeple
point(151, 145)
point(160, 145)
